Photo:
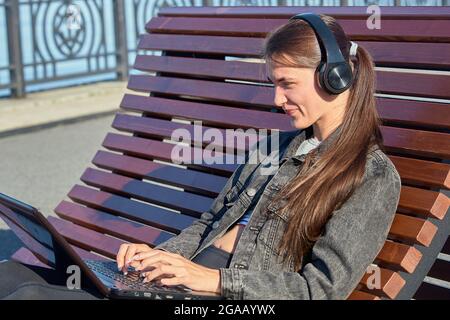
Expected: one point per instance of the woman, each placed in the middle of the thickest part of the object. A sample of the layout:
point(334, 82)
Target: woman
point(307, 231)
point(320, 221)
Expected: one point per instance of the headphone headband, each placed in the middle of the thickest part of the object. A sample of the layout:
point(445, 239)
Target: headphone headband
point(325, 37)
point(335, 74)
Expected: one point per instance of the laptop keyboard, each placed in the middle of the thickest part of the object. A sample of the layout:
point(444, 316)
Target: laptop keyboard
point(132, 279)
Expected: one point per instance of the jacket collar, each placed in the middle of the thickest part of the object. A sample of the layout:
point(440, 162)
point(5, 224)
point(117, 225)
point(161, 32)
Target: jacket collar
point(303, 134)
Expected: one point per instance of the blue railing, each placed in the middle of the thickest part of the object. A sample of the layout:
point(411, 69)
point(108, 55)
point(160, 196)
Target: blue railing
point(54, 43)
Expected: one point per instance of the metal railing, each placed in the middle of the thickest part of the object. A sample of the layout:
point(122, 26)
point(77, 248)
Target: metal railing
point(52, 41)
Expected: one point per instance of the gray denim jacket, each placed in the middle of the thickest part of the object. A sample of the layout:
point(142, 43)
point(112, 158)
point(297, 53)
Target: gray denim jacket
point(351, 240)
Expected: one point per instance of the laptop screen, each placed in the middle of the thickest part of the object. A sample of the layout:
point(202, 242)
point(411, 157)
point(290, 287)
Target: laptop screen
point(18, 216)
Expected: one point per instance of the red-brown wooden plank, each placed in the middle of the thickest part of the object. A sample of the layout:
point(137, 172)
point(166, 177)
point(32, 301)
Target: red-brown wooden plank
point(265, 12)
point(417, 142)
point(87, 239)
point(116, 226)
point(421, 172)
point(209, 114)
point(198, 133)
point(415, 84)
point(360, 295)
point(400, 54)
point(413, 230)
point(402, 30)
point(214, 91)
point(151, 149)
point(414, 113)
point(185, 202)
point(423, 202)
point(194, 181)
point(390, 283)
point(399, 256)
point(131, 209)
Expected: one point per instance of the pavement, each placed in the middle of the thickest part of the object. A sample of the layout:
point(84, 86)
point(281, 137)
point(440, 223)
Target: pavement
point(53, 107)
point(47, 140)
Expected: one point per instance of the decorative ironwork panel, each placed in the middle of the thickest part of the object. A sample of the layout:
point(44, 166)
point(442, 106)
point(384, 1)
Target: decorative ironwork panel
point(63, 39)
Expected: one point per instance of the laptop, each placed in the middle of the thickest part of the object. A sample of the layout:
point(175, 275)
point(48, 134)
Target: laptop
point(31, 225)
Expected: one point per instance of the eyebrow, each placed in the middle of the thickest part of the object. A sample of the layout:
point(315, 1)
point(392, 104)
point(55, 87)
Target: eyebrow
point(281, 79)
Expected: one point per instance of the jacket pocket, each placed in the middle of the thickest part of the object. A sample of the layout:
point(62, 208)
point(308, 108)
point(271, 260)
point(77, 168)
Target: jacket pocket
point(271, 234)
point(232, 195)
point(269, 239)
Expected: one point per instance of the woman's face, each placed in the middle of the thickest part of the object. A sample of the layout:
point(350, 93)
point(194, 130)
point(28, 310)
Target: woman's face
point(298, 93)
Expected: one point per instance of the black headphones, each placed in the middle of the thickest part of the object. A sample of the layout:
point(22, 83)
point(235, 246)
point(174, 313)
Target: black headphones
point(335, 74)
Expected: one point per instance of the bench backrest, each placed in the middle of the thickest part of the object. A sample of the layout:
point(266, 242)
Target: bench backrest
point(209, 71)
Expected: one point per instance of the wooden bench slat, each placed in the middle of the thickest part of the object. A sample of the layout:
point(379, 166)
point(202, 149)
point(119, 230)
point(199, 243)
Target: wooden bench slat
point(350, 12)
point(194, 181)
point(87, 239)
point(185, 202)
point(399, 256)
point(421, 172)
point(151, 149)
point(360, 295)
point(163, 129)
point(401, 54)
point(113, 225)
point(232, 93)
point(420, 85)
point(412, 229)
point(204, 68)
point(392, 30)
point(429, 115)
point(25, 256)
point(130, 209)
point(423, 202)
point(209, 114)
point(417, 142)
point(87, 255)
point(390, 283)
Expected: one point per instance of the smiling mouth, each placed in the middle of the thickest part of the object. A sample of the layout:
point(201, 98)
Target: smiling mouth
point(290, 112)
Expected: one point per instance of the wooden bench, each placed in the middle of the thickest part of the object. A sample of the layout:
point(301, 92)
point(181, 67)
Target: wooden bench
point(209, 71)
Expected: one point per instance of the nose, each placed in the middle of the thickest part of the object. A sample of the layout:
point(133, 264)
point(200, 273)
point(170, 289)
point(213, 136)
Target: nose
point(279, 98)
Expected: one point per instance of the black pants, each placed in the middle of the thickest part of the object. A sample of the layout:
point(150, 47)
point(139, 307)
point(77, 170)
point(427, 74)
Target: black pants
point(19, 281)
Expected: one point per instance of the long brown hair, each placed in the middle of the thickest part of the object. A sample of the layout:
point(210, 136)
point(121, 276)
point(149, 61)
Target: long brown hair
point(324, 183)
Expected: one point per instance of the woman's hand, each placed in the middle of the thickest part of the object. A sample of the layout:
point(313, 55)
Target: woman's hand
point(126, 252)
point(173, 269)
